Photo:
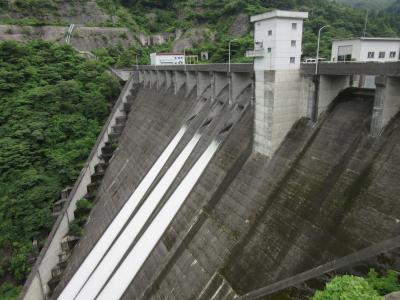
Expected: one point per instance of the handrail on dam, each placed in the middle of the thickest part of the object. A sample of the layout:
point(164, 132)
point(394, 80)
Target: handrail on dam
point(353, 68)
point(235, 68)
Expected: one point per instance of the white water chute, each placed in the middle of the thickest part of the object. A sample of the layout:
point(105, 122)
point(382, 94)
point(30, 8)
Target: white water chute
point(127, 271)
point(105, 241)
point(117, 251)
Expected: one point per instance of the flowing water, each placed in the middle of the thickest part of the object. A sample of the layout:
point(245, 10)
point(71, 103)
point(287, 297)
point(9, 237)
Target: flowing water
point(101, 247)
point(110, 261)
point(127, 271)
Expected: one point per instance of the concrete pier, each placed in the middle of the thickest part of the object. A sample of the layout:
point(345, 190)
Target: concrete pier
point(386, 104)
point(278, 102)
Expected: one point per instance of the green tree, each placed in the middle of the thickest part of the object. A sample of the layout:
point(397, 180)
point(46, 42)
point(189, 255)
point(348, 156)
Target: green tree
point(347, 287)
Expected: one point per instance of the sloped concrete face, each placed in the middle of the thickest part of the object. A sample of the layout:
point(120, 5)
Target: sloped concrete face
point(155, 118)
point(252, 219)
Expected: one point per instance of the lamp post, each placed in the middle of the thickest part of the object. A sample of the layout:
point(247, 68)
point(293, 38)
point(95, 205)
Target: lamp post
point(319, 40)
point(137, 63)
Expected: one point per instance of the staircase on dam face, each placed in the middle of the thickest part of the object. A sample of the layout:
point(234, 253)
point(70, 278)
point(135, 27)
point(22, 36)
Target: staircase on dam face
point(107, 151)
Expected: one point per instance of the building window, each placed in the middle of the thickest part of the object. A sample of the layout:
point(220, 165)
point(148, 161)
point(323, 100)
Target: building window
point(382, 54)
point(269, 32)
point(371, 54)
point(392, 54)
point(269, 50)
point(293, 60)
point(294, 26)
point(293, 43)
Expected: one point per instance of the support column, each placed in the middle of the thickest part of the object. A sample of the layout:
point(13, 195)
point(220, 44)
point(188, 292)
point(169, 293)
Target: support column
point(327, 89)
point(238, 83)
point(221, 81)
point(153, 79)
point(180, 78)
point(160, 79)
point(386, 104)
point(147, 80)
point(191, 81)
point(277, 108)
point(203, 82)
point(168, 79)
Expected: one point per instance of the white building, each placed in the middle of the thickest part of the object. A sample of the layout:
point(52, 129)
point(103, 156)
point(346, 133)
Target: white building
point(277, 40)
point(158, 59)
point(366, 49)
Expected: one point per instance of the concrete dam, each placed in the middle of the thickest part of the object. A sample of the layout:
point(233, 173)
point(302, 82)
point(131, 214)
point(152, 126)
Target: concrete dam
point(190, 206)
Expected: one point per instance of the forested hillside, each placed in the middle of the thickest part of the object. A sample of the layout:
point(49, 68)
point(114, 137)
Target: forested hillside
point(204, 25)
point(52, 107)
point(369, 4)
point(210, 24)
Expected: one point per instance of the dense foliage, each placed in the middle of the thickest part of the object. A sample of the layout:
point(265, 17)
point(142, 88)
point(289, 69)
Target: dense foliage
point(347, 287)
point(374, 287)
point(217, 17)
point(52, 107)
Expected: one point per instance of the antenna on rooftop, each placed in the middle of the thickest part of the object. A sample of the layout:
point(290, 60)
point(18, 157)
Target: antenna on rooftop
point(366, 23)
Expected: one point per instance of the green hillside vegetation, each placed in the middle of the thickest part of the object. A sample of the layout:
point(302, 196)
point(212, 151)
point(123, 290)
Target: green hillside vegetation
point(52, 107)
point(217, 16)
point(373, 287)
point(214, 18)
point(394, 9)
point(369, 4)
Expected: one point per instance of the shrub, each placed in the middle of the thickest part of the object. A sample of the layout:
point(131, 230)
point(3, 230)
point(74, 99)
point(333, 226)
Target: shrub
point(347, 287)
point(385, 284)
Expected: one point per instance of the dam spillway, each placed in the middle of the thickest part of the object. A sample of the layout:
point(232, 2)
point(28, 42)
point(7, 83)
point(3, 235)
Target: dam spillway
point(249, 220)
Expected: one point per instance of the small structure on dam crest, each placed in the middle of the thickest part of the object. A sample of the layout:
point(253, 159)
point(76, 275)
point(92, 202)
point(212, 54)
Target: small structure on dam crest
point(277, 53)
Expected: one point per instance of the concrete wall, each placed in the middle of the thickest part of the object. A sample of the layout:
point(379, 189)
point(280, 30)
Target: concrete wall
point(36, 287)
point(201, 80)
point(386, 104)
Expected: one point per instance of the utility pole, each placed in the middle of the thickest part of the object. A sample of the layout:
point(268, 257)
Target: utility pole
point(319, 41)
point(366, 23)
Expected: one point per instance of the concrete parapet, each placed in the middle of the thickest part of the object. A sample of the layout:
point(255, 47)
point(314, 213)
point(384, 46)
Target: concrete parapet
point(386, 104)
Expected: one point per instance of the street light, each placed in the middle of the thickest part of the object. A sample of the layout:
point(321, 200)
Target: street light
point(319, 40)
